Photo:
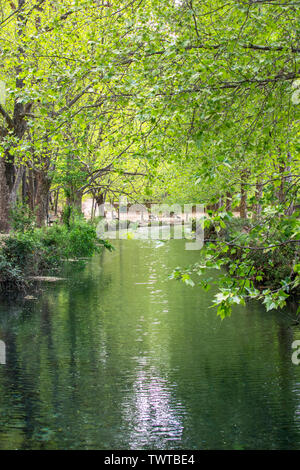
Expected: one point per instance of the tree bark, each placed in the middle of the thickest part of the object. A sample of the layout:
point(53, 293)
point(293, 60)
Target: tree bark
point(15, 125)
point(4, 199)
point(243, 204)
point(14, 191)
point(31, 190)
point(77, 201)
point(228, 201)
point(41, 200)
point(56, 203)
point(289, 179)
point(281, 193)
point(100, 200)
point(258, 195)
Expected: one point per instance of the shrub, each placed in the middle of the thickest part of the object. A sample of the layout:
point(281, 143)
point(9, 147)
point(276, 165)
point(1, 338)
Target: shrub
point(235, 226)
point(30, 253)
point(276, 265)
point(22, 218)
point(81, 240)
point(20, 249)
point(10, 276)
point(273, 266)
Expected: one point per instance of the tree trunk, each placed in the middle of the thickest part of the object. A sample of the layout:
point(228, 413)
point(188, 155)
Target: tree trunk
point(93, 208)
point(42, 197)
point(289, 179)
point(56, 203)
point(228, 201)
point(77, 201)
point(15, 125)
point(100, 200)
point(74, 202)
point(243, 204)
point(258, 195)
point(281, 192)
point(4, 199)
point(24, 187)
point(14, 191)
point(31, 192)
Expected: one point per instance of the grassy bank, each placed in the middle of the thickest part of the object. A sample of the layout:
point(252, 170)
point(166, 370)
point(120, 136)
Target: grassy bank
point(34, 252)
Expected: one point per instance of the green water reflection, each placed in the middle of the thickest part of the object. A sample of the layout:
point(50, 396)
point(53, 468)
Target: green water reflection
point(118, 357)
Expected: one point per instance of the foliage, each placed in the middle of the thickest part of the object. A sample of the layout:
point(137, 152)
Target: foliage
point(66, 215)
point(11, 276)
point(31, 253)
point(256, 264)
point(22, 218)
point(177, 101)
point(81, 240)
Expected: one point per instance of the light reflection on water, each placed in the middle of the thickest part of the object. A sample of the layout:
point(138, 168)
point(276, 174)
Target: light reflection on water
point(153, 414)
point(119, 357)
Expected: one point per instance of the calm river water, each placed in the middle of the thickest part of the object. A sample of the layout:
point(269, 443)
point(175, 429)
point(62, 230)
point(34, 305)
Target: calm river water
point(119, 357)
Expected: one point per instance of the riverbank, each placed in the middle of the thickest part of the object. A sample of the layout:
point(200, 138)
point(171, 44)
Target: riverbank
point(26, 256)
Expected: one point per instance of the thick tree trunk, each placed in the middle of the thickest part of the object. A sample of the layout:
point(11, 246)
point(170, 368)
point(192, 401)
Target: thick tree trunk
point(10, 171)
point(4, 199)
point(100, 200)
point(16, 126)
point(7, 186)
point(14, 191)
point(77, 201)
point(74, 201)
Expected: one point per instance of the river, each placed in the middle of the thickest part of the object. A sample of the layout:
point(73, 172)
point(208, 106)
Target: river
point(119, 357)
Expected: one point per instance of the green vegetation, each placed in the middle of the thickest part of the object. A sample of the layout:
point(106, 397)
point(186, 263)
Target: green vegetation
point(252, 268)
point(24, 254)
point(162, 101)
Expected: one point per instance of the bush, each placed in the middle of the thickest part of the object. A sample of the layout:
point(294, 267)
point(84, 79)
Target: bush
point(54, 239)
point(276, 265)
point(22, 218)
point(273, 266)
point(20, 249)
point(81, 240)
point(235, 226)
point(30, 253)
point(10, 276)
